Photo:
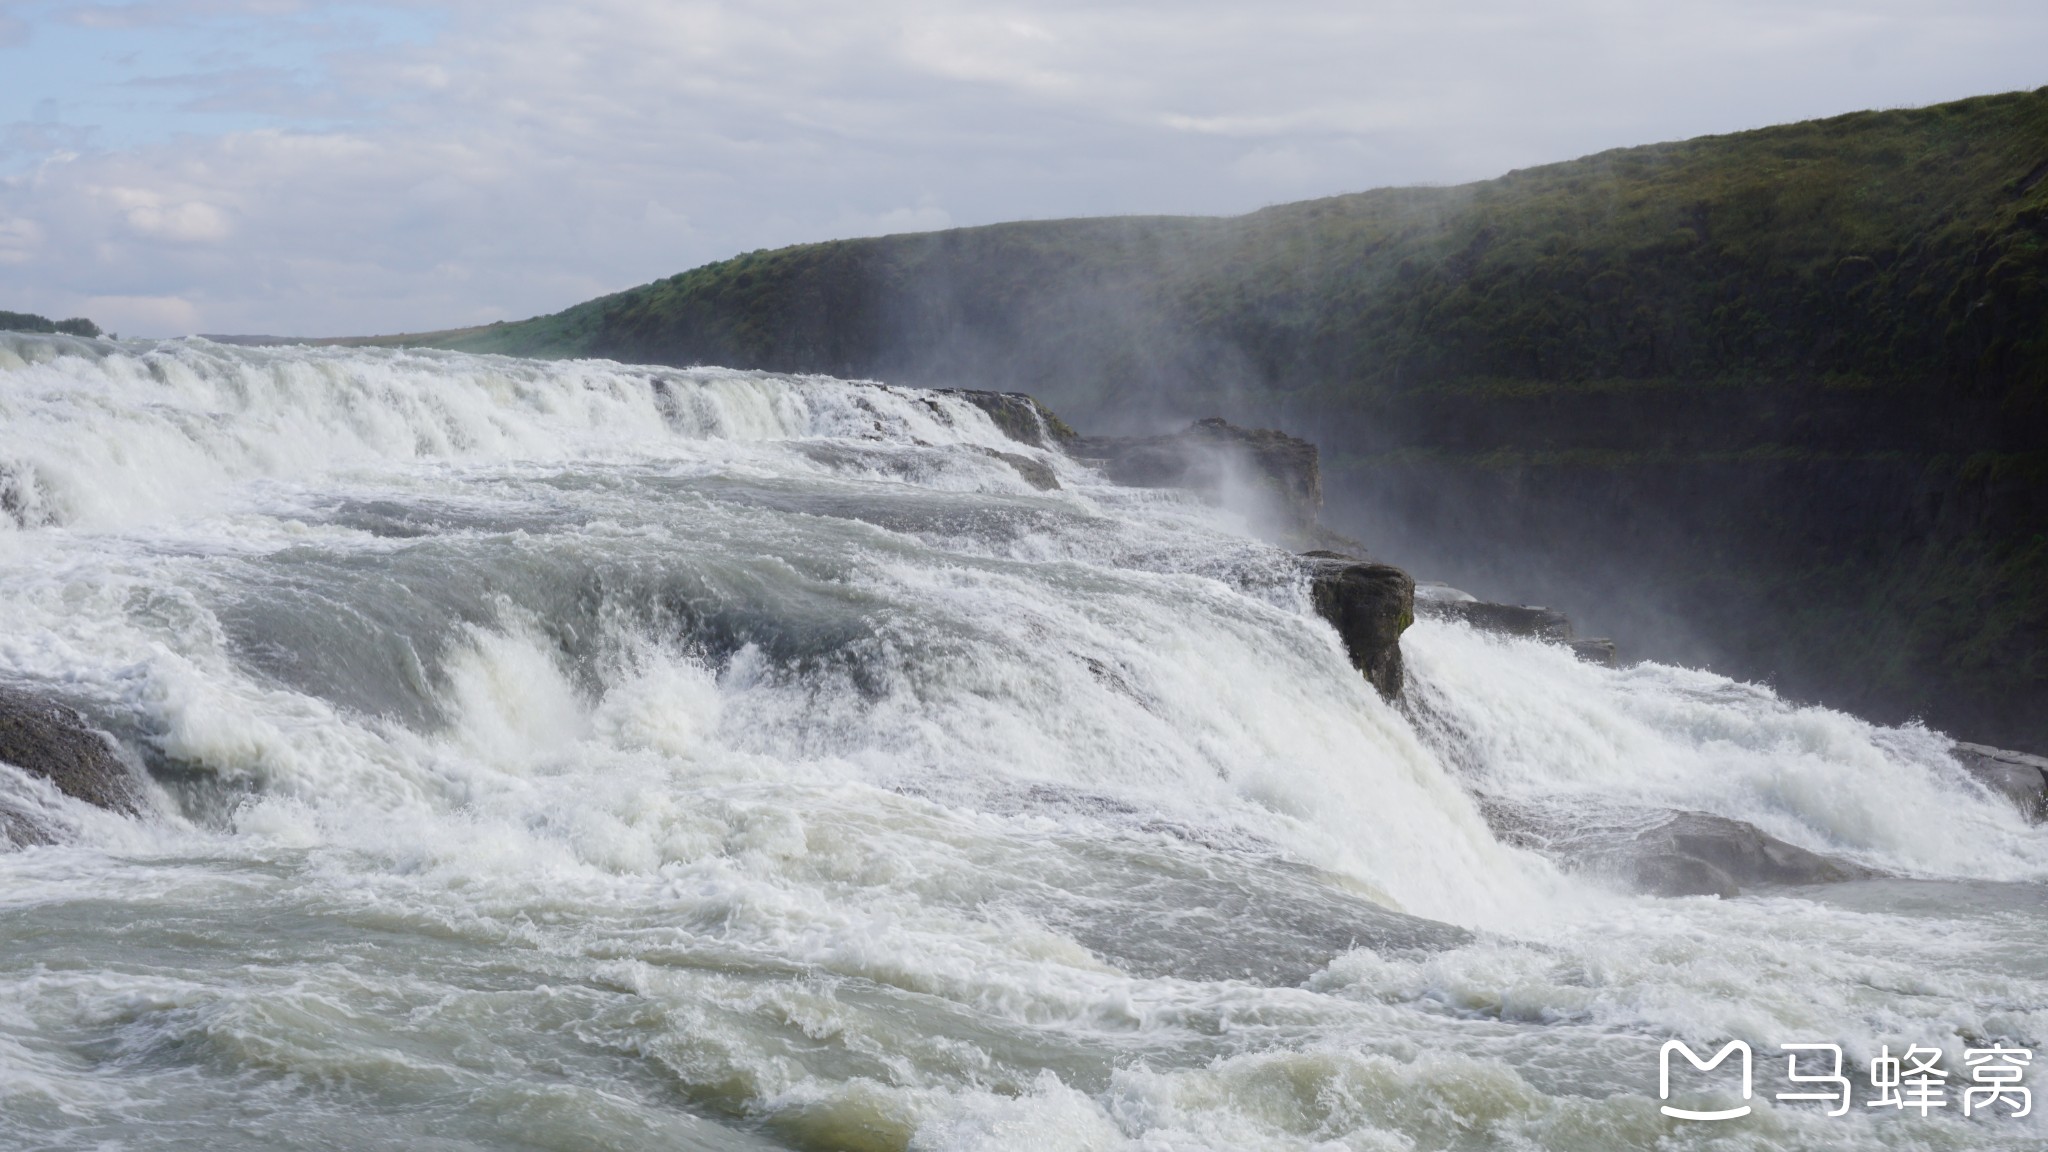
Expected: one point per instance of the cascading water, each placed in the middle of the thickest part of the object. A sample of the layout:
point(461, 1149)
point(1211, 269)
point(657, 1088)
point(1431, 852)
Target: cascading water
point(566, 755)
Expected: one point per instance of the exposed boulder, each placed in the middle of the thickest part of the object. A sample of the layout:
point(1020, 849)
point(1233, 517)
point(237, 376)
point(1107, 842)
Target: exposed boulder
point(1443, 602)
point(2017, 776)
point(1525, 620)
point(1369, 605)
point(1209, 456)
point(47, 740)
point(1020, 417)
point(1435, 590)
point(1599, 651)
point(1289, 466)
point(1036, 473)
point(1694, 850)
point(1664, 851)
point(1267, 924)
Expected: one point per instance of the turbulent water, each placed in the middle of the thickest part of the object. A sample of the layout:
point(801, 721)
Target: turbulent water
point(576, 756)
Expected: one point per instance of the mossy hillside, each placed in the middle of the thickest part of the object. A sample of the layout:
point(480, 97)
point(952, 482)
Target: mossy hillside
point(1864, 251)
point(30, 322)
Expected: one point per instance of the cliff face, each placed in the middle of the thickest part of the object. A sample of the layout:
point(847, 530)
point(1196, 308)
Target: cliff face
point(1778, 400)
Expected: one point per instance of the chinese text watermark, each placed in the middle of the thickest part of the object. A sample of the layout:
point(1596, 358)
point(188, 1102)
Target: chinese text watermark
point(1913, 1081)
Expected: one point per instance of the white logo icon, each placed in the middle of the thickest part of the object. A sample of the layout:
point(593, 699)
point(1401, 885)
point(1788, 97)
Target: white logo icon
point(1664, 1079)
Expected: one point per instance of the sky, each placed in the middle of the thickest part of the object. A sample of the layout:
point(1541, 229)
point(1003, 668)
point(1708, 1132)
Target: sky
point(299, 168)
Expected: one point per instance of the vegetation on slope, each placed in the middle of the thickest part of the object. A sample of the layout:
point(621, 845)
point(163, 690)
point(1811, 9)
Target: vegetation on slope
point(30, 322)
point(1793, 380)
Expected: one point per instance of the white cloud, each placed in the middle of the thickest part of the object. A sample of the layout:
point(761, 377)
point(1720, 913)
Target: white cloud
point(18, 240)
point(526, 155)
point(165, 315)
point(1283, 165)
point(992, 48)
point(923, 217)
point(187, 222)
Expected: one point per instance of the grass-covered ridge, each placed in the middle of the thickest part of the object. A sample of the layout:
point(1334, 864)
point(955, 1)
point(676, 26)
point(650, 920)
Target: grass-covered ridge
point(1863, 249)
point(1795, 380)
point(30, 322)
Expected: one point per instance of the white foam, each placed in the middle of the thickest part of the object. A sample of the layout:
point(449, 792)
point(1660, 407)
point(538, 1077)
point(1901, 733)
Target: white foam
point(1531, 722)
point(97, 435)
point(864, 891)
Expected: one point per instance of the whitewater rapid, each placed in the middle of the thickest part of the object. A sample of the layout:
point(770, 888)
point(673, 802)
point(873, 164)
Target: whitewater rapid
point(581, 755)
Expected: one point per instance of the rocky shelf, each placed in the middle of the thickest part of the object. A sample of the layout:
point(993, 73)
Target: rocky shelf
point(54, 743)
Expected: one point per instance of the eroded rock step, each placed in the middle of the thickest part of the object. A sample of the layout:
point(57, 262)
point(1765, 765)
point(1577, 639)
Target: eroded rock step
point(1370, 605)
point(1663, 851)
point(1206, 455)
point(50, 741)
point(2018, 776)
point(1443, 602)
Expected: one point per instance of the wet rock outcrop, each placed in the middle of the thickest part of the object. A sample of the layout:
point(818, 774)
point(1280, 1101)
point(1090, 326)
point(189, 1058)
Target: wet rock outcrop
point(1665, 852)
point(1020, 417)
point(48, 740)
point(1370, 605)
point(1525, 620)
point(1283, 473)
point(1440, 601)
point(1036, 473)
point(2017, 776)
point(1596, 650)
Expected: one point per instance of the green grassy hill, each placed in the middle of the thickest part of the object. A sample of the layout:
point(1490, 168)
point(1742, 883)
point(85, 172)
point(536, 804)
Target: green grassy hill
point(1776, 400)
point(30, 322)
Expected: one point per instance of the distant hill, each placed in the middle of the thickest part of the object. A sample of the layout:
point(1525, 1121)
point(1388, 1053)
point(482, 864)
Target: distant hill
point(30, 322)
point(1776, 400)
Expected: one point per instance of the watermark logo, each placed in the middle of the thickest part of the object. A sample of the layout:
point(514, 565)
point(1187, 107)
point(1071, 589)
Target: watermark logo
point(1832, 1077)
point(1918, 1075)
point(1997, 1071)
point(1913, 1081)
point(1664, 1078)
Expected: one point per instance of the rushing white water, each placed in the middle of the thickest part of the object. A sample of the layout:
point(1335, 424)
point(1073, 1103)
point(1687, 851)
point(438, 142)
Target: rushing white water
point(571, 755)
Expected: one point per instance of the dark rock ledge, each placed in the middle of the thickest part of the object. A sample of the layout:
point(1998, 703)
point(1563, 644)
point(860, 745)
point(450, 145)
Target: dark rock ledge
point(1442, 602)
point(2017, 776)
point(1036, 473)
point(1284, 472)
point(1369, 605)
point(1020, 417)
point(53, 742)
point(1666, 852)
point(1024, 420)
